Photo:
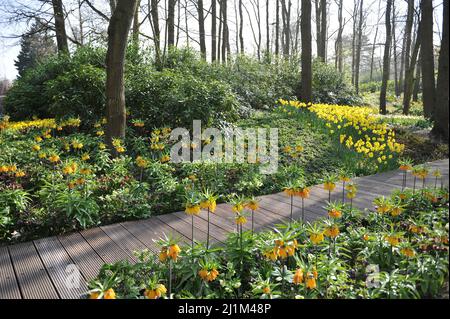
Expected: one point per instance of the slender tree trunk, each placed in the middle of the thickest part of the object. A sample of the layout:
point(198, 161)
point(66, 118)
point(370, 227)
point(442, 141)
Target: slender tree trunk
point(297, 32)
point(186, 22)
point(171, 23)
point(374, 44)
point(241, 27)
point(354, 37)
point(81, 21)
point(408, 39)
point(318, 30)
point(359, 46)
point(178, 27)
point(286, 15)
point(409, 75)
point(306, 76)
point(441, 123)
point(214, 30)
point(338, 45)
point(268, 29)
point(386, 58)
point(119, 27)
point(277, 28)
point(226, 38)
point(323, 29)
point(154, 14)
point(201, 28)
point(427, 58)
point(60, 27)
point(220, 33)
point(136, 25)
point(394, 48)
point(418, 80)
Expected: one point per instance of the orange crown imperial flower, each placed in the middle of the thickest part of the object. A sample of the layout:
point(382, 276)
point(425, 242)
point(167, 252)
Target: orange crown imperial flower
point(316, 238)
point(329, 186)
point(335, 213)
point(193, 209)
point(332, 232)
point(298, 277)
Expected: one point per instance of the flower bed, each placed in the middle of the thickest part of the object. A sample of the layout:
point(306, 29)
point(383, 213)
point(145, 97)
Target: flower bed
point(398, 250)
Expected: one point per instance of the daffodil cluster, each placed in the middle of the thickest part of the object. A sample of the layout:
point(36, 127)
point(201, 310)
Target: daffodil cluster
point(358, 129)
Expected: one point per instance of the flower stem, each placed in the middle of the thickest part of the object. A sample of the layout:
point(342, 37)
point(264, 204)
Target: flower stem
point(303, 209)
point(170, 279)
point(207, 239)
point(292, 208)
point(253, 219)
point(343, 192)
point(192, 242)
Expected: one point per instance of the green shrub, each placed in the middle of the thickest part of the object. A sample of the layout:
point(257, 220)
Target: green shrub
point(58, 80)
point(174, 98)
point(375, 86)
point(330, 87)
point(78, 93)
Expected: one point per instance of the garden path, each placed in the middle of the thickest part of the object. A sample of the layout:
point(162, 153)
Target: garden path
point(38, 269)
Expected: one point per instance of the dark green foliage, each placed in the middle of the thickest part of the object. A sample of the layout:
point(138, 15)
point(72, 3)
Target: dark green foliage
point(185, 88)
point(330, 86)
point(42, 88)
point(36, 45)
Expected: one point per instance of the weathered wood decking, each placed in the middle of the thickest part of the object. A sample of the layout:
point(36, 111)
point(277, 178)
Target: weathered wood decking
point(37, 270)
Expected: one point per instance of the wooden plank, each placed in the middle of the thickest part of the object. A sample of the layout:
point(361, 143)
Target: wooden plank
point(221, 219)
point(215, 232)
point(82, 254)
point(9, 288)
point(228, 218)
point(283, 209)
point(31, 274)
point(124, 239)
point(56, 261)
point(107, 249)
point(184, 227)
point(151, 230)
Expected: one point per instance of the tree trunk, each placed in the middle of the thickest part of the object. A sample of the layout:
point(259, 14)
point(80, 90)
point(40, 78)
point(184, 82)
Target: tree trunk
point(171, 23)
point(277, 28)
point(225, 37)
point(60, 27)
point(441, 122)
point(338, 45)
point(374, 44)
point(220, 33)
point(386, 58)
point(427, 58)
point(394, 47)
point(201, 28)
point(417, 81)
point(408, 39)
point(214, 30)
point(409, 75)
point(354, 36)
point(80, 22)
point(359, 46)
point(241, 27)
point(267, 30)
point(119, 27)
point(306, 75)
point(286, 15)
point(323, 29)
point(112, 5)
point(136, 25)
point(154, 14)
point(318, 30)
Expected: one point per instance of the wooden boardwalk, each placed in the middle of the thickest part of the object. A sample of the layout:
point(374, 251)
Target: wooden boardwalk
point(38, 269)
